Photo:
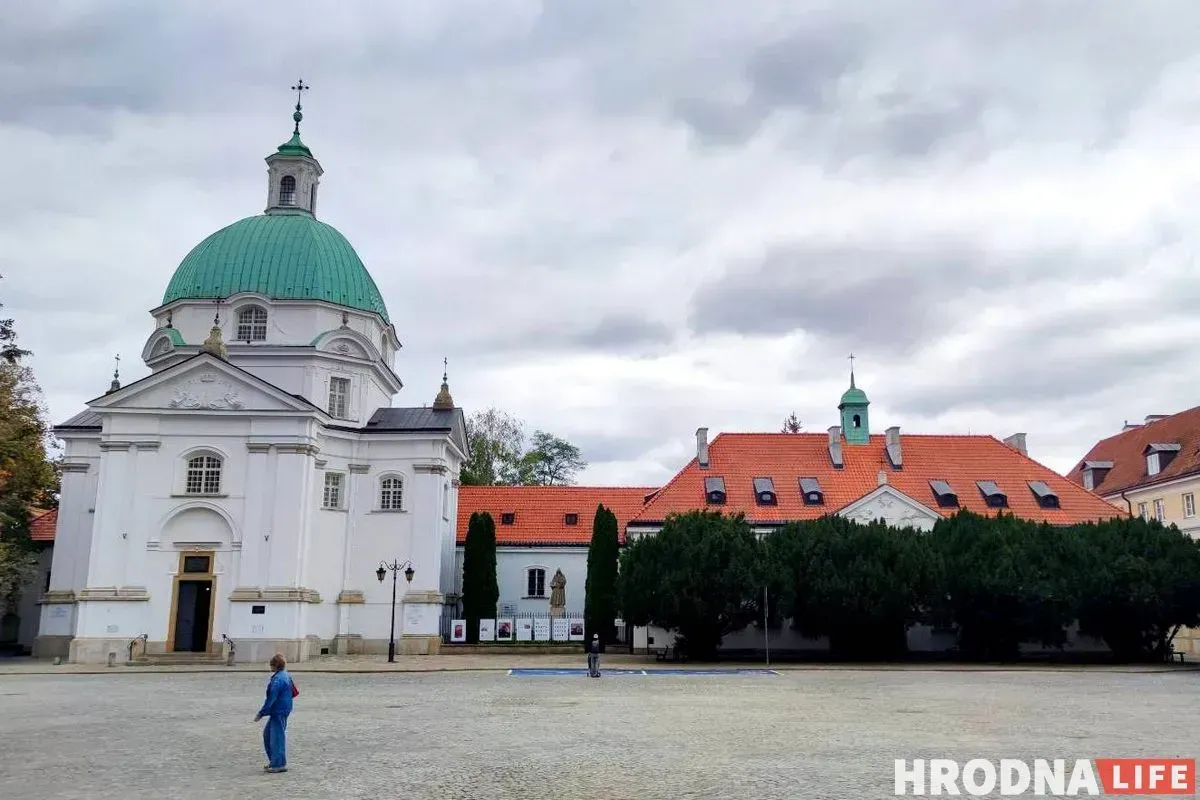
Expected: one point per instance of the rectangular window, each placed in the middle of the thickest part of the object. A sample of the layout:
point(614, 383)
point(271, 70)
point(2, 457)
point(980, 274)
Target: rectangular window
point(195, 564)
point(537, 583)
point(391, 493)
point(339, 393)
point(1159, 510)
point(1142, 510)
point(333, 490)
point(1152, 464)
point(1089, 480)
point(1189, 505)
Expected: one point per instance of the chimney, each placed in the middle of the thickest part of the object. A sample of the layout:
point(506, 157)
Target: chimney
point(702, 447)
point(881, 478)
point(1128, 426)
point(1017, 442)
point(1155, 417)
point(893, 447)
point(835, 446)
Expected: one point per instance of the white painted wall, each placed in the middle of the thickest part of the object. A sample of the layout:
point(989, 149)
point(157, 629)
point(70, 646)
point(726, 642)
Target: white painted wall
point(512, 565)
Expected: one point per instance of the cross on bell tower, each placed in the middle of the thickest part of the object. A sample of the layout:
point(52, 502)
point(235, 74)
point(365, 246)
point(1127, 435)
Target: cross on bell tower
point(293, 173)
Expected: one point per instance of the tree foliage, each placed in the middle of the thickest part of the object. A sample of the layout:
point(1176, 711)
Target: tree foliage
point(862, 586)
point(550, 461)
point(18, 566)
point(481, 591)
point(1139, 584)
point(501, 455)
point(28, 476)
point(997, 582)
point(791, 424)
point(699, 576)
point(600, 588)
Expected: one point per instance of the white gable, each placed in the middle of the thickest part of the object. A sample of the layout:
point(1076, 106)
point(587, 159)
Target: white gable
point(202, 384)
point(893, 507)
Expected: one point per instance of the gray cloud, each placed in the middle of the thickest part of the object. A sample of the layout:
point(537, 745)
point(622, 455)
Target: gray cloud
point(536, 184)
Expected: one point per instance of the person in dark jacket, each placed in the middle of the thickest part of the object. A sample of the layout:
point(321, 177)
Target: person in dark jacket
point(276, 709)
point(593, 652)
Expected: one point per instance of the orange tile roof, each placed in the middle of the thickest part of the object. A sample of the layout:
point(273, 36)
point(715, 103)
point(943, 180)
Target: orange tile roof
point(540, 511)
point(786, 457)
point(1127, 452)
point(41, 529)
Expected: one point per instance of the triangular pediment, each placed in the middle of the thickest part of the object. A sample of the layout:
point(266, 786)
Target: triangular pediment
point(892, 506)
point(203, 383)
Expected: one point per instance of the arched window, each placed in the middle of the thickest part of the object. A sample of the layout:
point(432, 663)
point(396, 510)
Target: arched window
point(287, 191)
point(857, 421)
point(252, 324)
point(203, 475)
point(162, 346)
point(391, 494)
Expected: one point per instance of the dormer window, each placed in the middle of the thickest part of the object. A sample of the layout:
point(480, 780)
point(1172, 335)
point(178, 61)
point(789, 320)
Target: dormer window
point(764, 492)
point(252, 324)
point(571, 519)
point(944, 494)
point(1094, 473)
point(810, 490)
point(714, 491)
point(1046, 497)
point(508, 518)
point(1159, 455)
point(287, 191)
point(992, 494)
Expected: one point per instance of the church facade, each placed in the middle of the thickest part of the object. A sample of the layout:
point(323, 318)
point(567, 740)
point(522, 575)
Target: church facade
point(250, 488)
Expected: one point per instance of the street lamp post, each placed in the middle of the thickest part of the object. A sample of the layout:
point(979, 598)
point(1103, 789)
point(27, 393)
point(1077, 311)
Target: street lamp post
point(381, 573)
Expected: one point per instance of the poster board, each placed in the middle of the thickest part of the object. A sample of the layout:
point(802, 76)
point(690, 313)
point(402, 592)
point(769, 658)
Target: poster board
point(525, 630)
point(561, 629)
point(458, 630)
point(541, 630)
point(504, 630)
point(487, 630)
point(576, 632)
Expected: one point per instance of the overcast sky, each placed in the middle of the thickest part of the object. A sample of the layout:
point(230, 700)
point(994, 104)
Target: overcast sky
point(623, 220)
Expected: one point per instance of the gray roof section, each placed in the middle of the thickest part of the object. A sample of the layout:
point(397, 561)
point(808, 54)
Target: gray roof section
point(810, 485)
point(942, 488)
point(714, 483)
point(420, 420)
point(1163, 447)
point(1097, 465)
point(84, 419)
point(764, 485)
point(990, 489)
point(1042, 489)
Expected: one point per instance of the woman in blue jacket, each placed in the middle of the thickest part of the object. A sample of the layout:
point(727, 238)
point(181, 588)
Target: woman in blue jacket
point(276, 709)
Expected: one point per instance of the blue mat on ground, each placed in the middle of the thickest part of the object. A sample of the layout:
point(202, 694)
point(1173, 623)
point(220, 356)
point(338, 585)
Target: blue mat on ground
point(530, 672)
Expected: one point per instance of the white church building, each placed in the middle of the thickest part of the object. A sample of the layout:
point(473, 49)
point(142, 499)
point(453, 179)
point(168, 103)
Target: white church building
point(252, 485)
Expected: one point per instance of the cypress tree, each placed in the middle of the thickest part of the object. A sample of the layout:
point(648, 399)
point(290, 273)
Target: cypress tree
point(600, 590)
point(481, 592)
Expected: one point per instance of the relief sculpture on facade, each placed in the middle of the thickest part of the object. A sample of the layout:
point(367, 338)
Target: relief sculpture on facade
point(207, 392)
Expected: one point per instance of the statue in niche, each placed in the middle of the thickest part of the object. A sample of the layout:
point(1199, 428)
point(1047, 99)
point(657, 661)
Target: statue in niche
point(558, 594)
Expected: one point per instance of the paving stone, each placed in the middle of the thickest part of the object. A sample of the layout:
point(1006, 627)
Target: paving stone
point(801, 734)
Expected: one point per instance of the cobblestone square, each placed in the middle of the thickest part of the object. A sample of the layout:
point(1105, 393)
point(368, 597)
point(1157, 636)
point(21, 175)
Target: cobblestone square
point(814, 733)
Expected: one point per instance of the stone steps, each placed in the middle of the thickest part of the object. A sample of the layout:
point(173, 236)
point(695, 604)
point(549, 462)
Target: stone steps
point(177, 659)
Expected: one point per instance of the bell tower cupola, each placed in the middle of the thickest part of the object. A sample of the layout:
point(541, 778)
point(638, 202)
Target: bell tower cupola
point(293, 174)
point(853, 407)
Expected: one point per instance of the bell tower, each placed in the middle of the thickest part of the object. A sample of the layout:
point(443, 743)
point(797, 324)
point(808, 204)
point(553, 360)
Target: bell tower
point(293, 174)
point(853, 407)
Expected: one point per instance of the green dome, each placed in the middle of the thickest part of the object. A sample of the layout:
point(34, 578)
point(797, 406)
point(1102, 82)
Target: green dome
point(854, 397)
point(285, 256)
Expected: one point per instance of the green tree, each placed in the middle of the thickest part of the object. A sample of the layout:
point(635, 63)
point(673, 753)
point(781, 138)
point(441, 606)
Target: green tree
point(862, 586)
point(1005, 581)
point(600, 588)
point(18, 566)
point(701, 576)
point(481, 592)
point(9, 351)
point(497, 442)
point(791, 424)
point(1140, 585)
point(550, 461)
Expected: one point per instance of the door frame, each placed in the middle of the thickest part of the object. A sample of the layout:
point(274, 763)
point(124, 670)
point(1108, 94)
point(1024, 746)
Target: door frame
point(180, 575)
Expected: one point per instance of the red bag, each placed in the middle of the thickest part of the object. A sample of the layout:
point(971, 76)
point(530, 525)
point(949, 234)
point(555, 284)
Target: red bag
point(295, 691)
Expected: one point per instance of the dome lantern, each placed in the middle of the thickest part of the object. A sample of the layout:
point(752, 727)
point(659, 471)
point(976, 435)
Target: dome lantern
point(293, 174)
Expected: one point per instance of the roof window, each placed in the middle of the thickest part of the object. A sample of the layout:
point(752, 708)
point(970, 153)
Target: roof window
point(810, 489)
point(714, 490)
point(944, 494)
point(508, 518)
point(571, 519)
point(1046, 497)
point(992, 494)
point(764, 492)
